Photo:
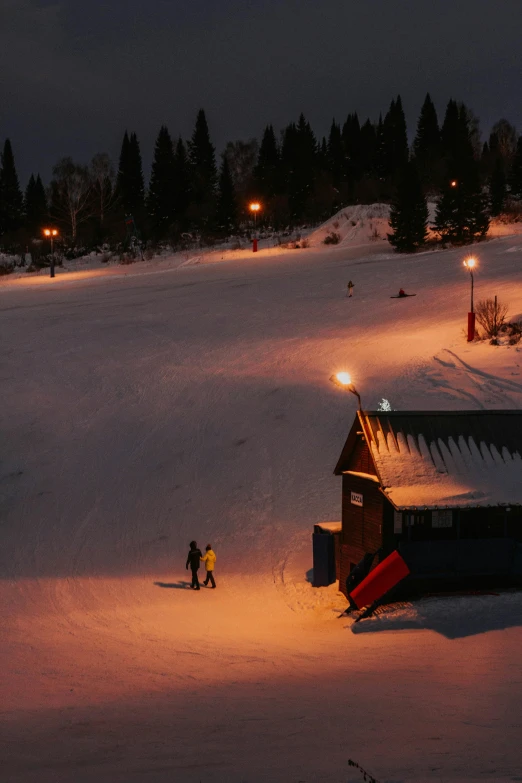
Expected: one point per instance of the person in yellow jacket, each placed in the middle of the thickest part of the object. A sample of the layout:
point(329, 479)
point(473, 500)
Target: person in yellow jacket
point(209, 558)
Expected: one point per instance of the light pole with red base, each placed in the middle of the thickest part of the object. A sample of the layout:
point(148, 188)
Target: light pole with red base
point(470, 264)
point(254, 207)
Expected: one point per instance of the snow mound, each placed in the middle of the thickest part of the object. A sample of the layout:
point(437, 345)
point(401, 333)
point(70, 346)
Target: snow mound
point(356, 225)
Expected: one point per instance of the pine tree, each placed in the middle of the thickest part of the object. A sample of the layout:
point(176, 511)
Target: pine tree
point(299, 157)
point(409, 212)
point(226, 210)
point(11, 199)
point(130, 185)
point(181, 184)
point(515, 179)
point(497, 189)
point(394, 153)
point(450, 133)
point(368, 148)
point(35, 205)
point(351, 137)
point(427, 145)
point(161, 200)
point(461, 216)
point(267, 173)
point(202, 160)
point(335, 154)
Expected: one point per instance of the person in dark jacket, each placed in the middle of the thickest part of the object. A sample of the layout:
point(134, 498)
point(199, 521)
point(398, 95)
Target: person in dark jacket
point(193, 559)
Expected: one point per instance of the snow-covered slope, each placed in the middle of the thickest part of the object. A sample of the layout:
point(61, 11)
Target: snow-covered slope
point(142, 411)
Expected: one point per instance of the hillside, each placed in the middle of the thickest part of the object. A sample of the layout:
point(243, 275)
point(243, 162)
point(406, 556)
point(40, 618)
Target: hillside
point(142, 410)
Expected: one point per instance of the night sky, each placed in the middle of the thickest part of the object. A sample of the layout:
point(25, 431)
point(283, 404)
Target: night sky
point(76, 74)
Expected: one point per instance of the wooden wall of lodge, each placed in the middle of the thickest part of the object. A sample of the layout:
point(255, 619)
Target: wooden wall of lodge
point(367, 528)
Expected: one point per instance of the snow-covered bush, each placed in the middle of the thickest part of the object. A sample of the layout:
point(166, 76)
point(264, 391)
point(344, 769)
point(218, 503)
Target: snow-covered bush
point(6, 267)
point(333, 238)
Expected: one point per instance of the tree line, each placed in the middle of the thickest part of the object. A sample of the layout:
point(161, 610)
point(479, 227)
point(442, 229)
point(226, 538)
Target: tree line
point(298, 179)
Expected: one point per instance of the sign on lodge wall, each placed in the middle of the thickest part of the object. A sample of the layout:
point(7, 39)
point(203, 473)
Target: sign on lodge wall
point(356, 499)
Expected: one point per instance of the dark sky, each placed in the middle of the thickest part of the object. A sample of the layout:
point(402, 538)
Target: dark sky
point(76, 73)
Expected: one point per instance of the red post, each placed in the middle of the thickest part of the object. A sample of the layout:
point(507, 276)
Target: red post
point(471, 327)
point(254, 246)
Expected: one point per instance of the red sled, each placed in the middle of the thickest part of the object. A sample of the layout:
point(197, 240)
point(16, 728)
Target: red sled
point(385, 576)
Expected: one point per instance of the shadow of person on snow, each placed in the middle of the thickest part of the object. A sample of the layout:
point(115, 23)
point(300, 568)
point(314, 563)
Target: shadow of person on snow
point(176, 585)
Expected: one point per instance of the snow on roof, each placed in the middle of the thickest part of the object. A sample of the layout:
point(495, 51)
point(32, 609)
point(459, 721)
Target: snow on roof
point(367, 476)
point(454, 471)
point(330, 527)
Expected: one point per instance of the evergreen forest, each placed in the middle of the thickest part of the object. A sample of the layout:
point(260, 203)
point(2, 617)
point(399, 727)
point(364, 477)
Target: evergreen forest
point(193, 195)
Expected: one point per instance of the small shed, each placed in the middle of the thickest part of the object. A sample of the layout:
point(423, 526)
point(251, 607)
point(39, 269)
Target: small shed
point(443, 488)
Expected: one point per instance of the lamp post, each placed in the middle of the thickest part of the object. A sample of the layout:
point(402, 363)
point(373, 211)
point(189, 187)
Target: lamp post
point(470, 264)
point(344, 380)
point(254, 207)
point(51, 233)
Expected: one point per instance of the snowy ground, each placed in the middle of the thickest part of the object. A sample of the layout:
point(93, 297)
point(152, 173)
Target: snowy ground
point(146, 407)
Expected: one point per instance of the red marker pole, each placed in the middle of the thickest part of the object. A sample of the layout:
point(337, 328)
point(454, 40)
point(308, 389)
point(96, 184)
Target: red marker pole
point(471, 327)
point(254, 245)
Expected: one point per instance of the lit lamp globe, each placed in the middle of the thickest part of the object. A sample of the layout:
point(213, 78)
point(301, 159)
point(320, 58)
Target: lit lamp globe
point(344, 380)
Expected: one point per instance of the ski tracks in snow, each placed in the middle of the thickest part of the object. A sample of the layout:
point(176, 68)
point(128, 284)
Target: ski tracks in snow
point(452, 377)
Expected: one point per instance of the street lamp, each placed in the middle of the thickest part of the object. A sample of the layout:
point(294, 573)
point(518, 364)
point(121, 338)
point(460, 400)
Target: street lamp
point(51, 233)
point(344, 380)
point(254, 207)
point(470, 264)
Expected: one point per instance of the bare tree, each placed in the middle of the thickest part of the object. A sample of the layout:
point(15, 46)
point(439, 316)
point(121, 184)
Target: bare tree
point(475, 135)
point(491, 315)
point(102, 178)
point(242, 158)
point(504, 136)
point(71, 195)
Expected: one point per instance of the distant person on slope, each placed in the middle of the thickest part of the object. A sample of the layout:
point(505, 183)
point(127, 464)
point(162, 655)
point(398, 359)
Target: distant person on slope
point(210, 560)
point(402, 292)
point(193, 559)
point(350, 288)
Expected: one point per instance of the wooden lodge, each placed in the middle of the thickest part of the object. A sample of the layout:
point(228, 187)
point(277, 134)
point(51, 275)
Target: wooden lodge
point(443, 488)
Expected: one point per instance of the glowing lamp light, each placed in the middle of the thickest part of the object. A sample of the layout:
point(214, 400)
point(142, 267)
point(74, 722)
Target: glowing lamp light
point(453, 183)
point(51, 233)
point(343, 379)
point(255, 206)
point(469, 263)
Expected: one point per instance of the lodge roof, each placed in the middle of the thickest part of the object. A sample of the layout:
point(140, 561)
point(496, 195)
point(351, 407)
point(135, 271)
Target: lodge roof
point(443, 459)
